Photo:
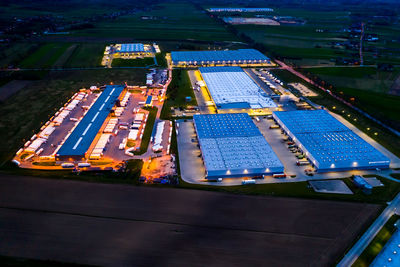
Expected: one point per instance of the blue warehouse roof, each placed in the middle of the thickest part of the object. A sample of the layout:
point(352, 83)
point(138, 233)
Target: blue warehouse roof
point(225, 125)
point(129, 48)
point(232, 145)
point(80, 139)
point(148, 100)
point(220, 55)
point(330, 144)
point(389, 256)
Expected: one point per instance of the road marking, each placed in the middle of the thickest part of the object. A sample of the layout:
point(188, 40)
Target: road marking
point(108, 97)
point(102, 106)
point(77, 143)
point(95, 116)
point(87, 128)
point(112, 91)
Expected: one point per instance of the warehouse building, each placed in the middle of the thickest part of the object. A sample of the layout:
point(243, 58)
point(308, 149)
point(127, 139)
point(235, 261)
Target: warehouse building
point(240, 9)
point(79, 141)
point(389, 255)
point(132, 50)
point(328, 144)
point(232, 89)
point(240, 57)
point(232, 146)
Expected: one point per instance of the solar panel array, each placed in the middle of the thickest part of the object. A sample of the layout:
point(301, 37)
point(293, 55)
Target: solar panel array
point(130, 48)
point(218, 56)
point(330, 143)
point(231, 144)
point(231, 87)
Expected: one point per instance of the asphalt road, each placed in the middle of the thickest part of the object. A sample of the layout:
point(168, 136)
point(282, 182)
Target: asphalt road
point(120, 225)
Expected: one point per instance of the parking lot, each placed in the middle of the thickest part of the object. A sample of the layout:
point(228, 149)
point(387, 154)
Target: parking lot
point(67, 125)
point(191, 163)
point(127, 116)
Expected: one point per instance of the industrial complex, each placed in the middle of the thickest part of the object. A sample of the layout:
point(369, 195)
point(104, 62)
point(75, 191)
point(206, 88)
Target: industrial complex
point(231, 145)
point(78, 143)
point(231, 88)
point(102, 127)
point(240, 57)
point(129, 51)
point(327, 143)
point(247, 124)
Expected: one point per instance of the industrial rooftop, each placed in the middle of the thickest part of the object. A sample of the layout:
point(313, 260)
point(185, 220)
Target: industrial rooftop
point(80, 139)
point(130, 48)
point(231, 87)
point(328, 143)
point(240, 9)
point(232, 145)
point(390, 254)
point(220, 56)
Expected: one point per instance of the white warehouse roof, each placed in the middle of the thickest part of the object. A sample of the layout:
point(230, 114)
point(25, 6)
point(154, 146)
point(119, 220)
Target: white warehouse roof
point(232, 145)
point(231, 87)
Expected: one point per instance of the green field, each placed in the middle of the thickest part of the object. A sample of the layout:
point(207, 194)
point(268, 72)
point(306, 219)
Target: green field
point(179, 88)
point(15, 53)
point(86, 55)
point(323, 39)
point(366, 88)
point(147, 131)
point(302, 44)
point(171, 21)
point(138, 62)
point(45, 56)
point(361, 78)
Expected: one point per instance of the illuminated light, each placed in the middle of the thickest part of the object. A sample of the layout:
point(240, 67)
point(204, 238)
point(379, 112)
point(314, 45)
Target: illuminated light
point(267, 169)
point(348, 115)
point(355, 163)
point(245, 171)
point(375, 133)
point(228, 172)
point(334, 107)
point(332, 165)
point(368, 129)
